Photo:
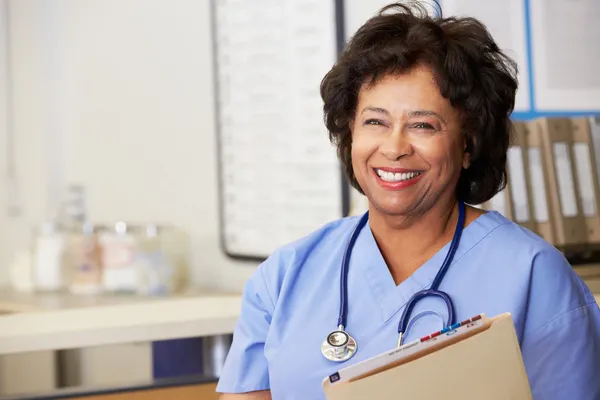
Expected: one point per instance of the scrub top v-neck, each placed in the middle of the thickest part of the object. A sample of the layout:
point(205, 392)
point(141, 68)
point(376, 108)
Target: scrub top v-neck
point(292, 302)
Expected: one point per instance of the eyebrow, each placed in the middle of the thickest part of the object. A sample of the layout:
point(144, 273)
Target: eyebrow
point(426, 113)
point(375, 109)
point(414, 113)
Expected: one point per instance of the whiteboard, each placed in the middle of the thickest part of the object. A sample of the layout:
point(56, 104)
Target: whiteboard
point(279, 176)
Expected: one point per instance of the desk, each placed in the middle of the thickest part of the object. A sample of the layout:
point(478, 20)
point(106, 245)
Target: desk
point(35, 322)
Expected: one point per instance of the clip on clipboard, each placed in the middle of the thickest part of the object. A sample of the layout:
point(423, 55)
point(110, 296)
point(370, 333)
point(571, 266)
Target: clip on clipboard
point(477, 358)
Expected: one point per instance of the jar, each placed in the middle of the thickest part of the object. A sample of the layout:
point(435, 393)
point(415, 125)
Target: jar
point(155, 268)
point(83, 260)
point(119, 246)
point(48, 250)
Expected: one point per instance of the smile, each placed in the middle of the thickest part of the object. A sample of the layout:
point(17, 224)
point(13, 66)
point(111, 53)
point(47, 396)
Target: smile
point(396, 176)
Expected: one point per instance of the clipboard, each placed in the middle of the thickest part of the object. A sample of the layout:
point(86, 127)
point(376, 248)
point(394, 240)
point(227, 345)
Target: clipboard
point(479, 358)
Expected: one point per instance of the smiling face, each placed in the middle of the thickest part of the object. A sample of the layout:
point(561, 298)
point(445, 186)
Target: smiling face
point(407, 146)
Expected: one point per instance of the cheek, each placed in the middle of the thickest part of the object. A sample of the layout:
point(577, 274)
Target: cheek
point(357, 158)
point(359, 155)
point(443, 154)
point(363, 147)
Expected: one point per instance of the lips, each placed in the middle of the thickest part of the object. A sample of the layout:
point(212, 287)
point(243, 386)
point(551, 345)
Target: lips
point(396, 178)
point(390, 176)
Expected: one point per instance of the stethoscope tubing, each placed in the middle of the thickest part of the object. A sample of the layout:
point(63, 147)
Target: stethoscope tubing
point(432, 291)
point(342, 319)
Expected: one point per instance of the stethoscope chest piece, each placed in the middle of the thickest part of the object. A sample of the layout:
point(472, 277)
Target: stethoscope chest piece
point(339, 346)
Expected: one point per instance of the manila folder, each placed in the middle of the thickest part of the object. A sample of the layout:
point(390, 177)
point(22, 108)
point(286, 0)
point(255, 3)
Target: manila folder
point(487, 365)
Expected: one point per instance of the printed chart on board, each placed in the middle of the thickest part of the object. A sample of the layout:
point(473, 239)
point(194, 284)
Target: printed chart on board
point(279, 175)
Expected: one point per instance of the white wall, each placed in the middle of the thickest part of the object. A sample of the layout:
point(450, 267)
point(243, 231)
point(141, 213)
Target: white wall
point(117, 95)
point(4, 114)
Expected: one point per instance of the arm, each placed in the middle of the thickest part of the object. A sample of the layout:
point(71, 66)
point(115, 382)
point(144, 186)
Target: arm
point(245, 374)
point(261, 395)
point(561, 344)
point(563, 357)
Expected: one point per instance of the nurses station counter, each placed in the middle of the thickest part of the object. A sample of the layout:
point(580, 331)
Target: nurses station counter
point(55, 323)
point(35, 328)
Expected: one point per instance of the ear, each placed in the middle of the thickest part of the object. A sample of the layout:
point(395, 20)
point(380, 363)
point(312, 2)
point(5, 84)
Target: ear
point(466, 160)
point(466, 163)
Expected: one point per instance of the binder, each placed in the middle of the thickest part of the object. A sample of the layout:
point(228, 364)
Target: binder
point(518, 178)
point(538, 180)
point(483, 364)
point(557, 155)
point(501, 203)
point(595, 135)
point(587, 177)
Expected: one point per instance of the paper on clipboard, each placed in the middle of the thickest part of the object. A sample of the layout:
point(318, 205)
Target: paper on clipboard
point(487, 361)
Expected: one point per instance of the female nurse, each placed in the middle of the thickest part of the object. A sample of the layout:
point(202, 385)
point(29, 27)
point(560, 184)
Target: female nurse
point(419, 109)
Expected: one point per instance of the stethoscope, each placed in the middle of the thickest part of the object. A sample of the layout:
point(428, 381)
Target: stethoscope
point(339, 345)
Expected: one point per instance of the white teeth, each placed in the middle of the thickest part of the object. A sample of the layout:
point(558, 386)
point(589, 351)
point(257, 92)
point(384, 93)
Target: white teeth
point(396, 177)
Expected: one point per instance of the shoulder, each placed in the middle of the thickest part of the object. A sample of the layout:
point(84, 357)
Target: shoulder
point(557, 312)
point(283, 265)
point(510, 241)
point(509, 235)
point(552, 286)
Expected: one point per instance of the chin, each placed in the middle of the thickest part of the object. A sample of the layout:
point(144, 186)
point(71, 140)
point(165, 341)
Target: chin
point(394, 206)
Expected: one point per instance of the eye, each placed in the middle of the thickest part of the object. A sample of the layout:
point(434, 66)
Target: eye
point(373, 122)
point(423, 125)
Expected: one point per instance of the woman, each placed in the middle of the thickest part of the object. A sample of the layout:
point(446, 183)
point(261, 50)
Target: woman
point(419, 110)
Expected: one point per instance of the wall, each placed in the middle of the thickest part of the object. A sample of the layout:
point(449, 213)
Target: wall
point(117, 95)
point(4, 125)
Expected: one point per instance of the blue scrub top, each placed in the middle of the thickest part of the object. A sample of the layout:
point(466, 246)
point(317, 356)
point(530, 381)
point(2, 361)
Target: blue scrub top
point(292, 302)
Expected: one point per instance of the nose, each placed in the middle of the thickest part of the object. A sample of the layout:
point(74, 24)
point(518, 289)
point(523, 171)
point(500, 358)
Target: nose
point(396, 145)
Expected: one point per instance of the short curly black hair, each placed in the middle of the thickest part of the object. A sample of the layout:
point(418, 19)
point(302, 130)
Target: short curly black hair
point(477, 78)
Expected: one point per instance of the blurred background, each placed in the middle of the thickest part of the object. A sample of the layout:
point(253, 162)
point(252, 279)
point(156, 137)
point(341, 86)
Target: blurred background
point(153, 152)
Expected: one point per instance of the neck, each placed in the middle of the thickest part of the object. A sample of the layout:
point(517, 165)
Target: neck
point(407, 242)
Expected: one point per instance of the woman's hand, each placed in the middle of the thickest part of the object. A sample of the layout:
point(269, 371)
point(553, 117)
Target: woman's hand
point(262, 395)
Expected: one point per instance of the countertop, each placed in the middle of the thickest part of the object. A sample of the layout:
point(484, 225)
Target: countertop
point(34, 322)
